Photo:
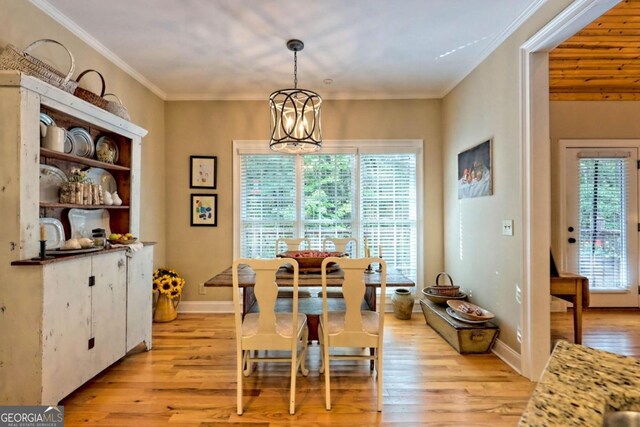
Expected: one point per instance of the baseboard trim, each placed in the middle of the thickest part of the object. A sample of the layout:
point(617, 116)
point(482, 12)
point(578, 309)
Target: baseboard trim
point(206, 307)
point(507, 355)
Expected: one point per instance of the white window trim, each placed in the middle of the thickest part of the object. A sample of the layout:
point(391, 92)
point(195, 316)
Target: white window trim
point(364, 146)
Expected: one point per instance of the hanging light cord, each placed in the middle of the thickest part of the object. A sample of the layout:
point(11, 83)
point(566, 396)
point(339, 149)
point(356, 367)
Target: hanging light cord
point(295, 69)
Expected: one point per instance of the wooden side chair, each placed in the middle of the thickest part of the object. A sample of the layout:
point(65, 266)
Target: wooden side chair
point(341, 245)
point(353, 327)
point(268, 330)
point(292, 244)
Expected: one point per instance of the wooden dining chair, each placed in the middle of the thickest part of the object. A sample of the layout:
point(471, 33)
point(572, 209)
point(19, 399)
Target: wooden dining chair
point(353, 327)
point(268, 330)
point(292, 244)
point(341, 245)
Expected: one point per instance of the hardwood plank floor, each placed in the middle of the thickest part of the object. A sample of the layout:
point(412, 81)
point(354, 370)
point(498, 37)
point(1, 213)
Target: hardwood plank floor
point(188, 379)
point(615, 331)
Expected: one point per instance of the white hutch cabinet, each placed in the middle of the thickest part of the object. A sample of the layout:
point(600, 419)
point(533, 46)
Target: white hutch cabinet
point(64, 320)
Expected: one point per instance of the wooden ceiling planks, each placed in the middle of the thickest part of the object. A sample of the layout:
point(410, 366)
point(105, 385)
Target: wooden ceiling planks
point(602, 61)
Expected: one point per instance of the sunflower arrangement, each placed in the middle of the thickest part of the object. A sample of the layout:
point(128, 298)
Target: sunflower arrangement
point(166, 281)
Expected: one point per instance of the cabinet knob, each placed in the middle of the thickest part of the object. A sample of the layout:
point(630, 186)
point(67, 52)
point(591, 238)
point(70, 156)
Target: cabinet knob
point(571, 240)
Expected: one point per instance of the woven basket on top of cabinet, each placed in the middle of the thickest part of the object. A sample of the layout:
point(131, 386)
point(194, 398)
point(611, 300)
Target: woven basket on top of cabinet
point(445, 289)
point(12, 58)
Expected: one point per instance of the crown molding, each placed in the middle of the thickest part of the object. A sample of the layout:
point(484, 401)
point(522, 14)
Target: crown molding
point(79, 32)
point(332, 97)
point(495, 43)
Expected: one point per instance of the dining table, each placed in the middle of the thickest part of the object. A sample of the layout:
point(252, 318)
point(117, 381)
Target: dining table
point(311, 306)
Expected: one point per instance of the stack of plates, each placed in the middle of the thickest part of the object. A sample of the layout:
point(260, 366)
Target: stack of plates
point(82, 143)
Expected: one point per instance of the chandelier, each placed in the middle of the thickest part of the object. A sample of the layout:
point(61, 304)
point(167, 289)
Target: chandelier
point(295, 115)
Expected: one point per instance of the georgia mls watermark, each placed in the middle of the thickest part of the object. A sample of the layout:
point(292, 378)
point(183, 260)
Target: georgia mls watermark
point(31, 416)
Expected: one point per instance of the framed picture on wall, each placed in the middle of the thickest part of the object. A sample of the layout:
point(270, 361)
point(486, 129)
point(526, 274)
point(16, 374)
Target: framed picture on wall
point(203, 171)
point(475, 171)
point(204, 210)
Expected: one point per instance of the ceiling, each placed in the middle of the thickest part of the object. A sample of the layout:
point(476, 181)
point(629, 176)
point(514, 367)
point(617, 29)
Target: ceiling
point(602, 61)
point(224, 49)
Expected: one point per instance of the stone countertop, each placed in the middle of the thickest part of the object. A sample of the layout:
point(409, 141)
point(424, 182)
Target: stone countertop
point(579, 385)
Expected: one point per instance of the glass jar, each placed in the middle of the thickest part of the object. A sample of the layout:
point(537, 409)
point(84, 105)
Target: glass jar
point(99, 237)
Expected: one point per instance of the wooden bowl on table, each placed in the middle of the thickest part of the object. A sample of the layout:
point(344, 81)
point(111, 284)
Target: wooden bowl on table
point(310, 260)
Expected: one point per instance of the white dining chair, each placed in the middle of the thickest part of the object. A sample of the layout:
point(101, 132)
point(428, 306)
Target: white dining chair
point(353, 327)
point(266, 329)
point(348, 245)
point(292, 244)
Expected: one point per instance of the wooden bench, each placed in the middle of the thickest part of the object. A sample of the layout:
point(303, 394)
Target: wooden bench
point(466, 338)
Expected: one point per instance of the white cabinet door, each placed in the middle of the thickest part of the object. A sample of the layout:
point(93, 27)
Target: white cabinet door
point(109, 309)
point(139, 298)
point(66, 328)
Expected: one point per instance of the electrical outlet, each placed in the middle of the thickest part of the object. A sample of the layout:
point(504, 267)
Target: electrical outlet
point(507, 227)
point(201, 289)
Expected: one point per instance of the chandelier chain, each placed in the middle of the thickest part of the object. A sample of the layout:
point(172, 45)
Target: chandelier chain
point(295, 70)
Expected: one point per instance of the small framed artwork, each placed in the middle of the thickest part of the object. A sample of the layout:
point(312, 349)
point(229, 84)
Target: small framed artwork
point(475, 171)
point(203, 171)
point(204, 210)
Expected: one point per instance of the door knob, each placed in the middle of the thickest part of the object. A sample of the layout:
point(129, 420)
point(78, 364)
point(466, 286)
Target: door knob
point(571, 240)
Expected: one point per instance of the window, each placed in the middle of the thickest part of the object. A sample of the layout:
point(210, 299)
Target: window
point(603, 218)
point(367, 190)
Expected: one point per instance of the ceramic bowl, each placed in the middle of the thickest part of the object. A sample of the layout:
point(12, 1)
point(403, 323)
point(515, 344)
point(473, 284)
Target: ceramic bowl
point(470, 311)
point(442, 299)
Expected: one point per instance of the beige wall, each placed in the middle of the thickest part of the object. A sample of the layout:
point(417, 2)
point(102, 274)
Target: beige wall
point(585, 120)
point(209, 128)
point(21, 23)
point(484, 104)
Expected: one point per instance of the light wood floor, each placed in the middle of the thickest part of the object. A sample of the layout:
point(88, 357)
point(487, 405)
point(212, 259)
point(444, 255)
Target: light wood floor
point(616, 331)
point(188, 379)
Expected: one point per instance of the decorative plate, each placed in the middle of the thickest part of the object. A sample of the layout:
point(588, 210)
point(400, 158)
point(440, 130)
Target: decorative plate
point(68, 143)
point(102, 177)
point(51, 178)
point(46, 120)
point(106, 150)
point(55, 232)
point(82, 142)
point(73, 251)
point(456, 316)
point(83, 221)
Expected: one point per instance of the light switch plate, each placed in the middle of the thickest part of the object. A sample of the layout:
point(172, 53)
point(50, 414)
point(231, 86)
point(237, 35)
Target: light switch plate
point(507, 227)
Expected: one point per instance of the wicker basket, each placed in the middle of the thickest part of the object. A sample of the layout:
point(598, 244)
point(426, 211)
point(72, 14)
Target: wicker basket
point(117, 108)
point(13, 59)
point(445, 289)
point(90, 97)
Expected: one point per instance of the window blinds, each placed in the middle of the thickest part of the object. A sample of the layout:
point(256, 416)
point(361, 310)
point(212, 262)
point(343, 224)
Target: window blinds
point(333, 202)
point(268, 201)
point(603, 199)
point(388, 208)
